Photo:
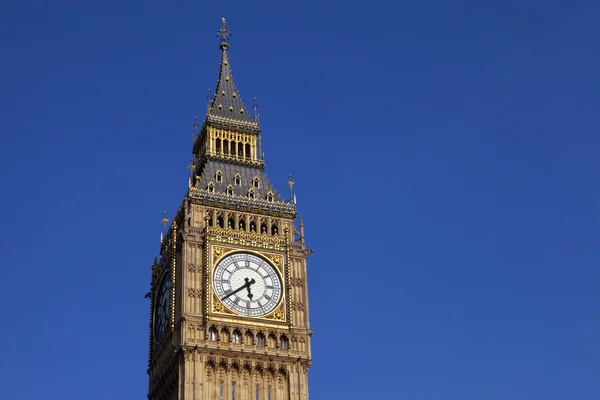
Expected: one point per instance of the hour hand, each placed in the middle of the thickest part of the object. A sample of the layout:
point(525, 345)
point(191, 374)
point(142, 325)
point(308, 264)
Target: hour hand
point(248, 283)
point(245, 285)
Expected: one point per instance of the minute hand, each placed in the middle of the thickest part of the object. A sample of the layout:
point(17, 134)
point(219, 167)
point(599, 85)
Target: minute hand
point(245, 285)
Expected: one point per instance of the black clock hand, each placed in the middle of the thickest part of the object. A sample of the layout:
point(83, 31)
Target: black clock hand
point(250, 295)
point(245, 285)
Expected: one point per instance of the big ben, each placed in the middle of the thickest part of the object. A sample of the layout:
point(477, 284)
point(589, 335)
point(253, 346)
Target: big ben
point(229, 316)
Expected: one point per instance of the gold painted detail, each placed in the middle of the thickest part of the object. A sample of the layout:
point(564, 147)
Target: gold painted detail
point(275, 260)
point(217, 253)
point(259, 323)
point(173, 273)
point(278, 314)
point(246, 236)
point(219, 307)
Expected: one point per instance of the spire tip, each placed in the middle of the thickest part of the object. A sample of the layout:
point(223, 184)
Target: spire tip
point(224, 34)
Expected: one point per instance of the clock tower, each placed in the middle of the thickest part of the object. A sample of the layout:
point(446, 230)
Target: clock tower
point(229, 300)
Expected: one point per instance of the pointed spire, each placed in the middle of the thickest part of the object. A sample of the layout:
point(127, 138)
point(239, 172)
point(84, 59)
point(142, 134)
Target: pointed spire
point(227, 102)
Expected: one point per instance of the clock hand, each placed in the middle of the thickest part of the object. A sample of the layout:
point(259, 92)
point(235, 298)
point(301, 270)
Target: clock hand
point(250, 295)
point(245, 285)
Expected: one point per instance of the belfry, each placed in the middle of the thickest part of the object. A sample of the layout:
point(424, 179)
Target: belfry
point(229, 313)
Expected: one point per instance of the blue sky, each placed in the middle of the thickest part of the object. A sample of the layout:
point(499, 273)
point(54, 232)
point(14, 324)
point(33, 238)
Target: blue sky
point(446, 164)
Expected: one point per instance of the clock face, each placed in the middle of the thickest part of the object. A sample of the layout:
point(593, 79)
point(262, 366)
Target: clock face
point(247, 284)
point(162, 308)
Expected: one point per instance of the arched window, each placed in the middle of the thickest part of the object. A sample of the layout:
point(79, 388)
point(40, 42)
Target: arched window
point(252, 226)
point(231, 223)
point(240, 149)
point(220, 221)
point(236, 337)
point(229, 190)
point(211, 187)
point(270, 196)
point(224, 335)
point(248, 155)
point(226, 146)
point(263, 227)
point(218, 145)
point(260, 340)
point(237, 180)
point(249, 338)
point(212, 333)
point(272, 340)
point(256, 182)
point(283, 343)
point(219, 176)
point(274, 229)
point(251, 194)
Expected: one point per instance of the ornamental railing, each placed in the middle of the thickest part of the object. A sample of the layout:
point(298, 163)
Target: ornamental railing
point(281, 206)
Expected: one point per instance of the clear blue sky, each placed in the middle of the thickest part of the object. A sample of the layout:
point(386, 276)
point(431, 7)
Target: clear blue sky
point(446, 160)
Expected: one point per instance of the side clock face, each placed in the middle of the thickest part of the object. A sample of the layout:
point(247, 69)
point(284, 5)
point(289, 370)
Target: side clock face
point(247, 284)
point(162, 308)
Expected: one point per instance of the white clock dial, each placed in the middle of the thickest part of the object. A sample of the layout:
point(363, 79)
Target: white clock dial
point(247, 284)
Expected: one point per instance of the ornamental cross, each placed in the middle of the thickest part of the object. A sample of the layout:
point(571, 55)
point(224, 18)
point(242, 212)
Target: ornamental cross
point(224, 33)
point(165, 220)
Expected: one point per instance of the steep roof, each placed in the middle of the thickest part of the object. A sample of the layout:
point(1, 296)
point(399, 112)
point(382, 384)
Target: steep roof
point(227, 102)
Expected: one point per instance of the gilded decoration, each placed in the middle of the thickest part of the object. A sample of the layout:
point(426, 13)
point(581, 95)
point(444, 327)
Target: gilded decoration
point(278, 314)
point(219, 307)
point(247, 239)
point(275, 260)
point(260, 323)
point(217, 253)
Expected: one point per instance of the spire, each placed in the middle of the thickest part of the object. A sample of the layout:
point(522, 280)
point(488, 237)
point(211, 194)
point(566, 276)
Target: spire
point(227, 102)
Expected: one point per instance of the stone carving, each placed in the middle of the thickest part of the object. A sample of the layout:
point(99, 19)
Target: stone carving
point(193, 268)
point(296, 282)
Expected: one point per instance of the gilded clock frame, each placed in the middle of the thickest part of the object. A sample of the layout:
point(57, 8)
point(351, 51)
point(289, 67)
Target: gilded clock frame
point(217, 311)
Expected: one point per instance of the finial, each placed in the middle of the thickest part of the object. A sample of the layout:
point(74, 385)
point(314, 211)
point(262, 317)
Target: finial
point(291, 184)
point(192, 165)
point(301, 230)
point(196, 125)
point(255, 107)
point(208, 100)
point(224, 34)
point(165, 220)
